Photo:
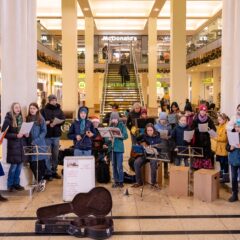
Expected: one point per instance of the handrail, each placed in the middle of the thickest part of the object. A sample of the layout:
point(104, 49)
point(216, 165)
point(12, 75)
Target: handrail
point(139, 86)
point(104, 90)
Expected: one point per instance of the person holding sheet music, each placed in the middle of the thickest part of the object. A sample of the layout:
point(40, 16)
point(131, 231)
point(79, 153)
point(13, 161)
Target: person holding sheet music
point(37, 138)
point(81, 132)
point(16, 141)
point(234, 161)
point(150, 137)
point(116, 151)
point(50, 112)
point(220, 147)
point(178, 137)
point(202, 137)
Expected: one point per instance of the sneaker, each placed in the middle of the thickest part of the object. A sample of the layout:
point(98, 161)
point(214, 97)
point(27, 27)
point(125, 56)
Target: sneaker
point(3, 199)
point(42, 185)
point(19, 188)
point(137, 185)
point(115, 185)
point(233, 198)
point(56, 176)
point(120, 185)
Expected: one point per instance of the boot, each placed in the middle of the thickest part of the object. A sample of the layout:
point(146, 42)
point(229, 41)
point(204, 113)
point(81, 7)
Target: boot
point(225, 178)
point(233, 198)
point(3, 199)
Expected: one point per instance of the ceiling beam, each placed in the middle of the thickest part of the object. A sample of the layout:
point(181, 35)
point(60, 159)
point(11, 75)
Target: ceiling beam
point(85, 6)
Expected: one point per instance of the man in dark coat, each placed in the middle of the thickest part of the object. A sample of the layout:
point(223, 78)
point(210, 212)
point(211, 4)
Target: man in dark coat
point(50, 112)
point(123, 71)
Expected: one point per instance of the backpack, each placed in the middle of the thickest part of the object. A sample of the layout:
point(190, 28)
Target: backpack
point(102, 172)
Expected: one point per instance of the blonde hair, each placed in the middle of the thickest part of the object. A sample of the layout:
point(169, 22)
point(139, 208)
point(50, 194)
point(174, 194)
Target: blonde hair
point(14, 121)
point(136, 105)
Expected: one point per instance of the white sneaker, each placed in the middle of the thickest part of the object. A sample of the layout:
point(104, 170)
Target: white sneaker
point(42, 185)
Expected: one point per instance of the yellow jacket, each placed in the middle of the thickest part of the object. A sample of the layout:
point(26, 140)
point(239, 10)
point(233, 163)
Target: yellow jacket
point(221, 141)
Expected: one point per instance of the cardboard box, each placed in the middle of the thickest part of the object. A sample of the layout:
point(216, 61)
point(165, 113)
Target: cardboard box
point(147, 173)
point(206, 185)
point(179, 181)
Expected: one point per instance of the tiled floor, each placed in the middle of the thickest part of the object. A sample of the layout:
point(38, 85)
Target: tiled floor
point(163, 213)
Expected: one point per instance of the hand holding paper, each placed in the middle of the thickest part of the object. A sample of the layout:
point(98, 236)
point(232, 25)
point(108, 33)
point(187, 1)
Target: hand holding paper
point(26, 128)
point(57, 121)
point(163, 134)
point(188, 135)
point(233, 139)
point(212, 133)
point(203, 127)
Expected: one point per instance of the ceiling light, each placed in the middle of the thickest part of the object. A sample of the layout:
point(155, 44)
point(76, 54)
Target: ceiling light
point(156, 9)
point(86, 9)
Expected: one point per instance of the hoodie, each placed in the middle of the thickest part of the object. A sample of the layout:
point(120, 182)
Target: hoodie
point(85, 143)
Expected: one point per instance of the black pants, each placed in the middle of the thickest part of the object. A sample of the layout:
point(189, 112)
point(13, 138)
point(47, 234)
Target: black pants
point(235, 170)
point(223, 160)
point(123, 79)
point(41, 169)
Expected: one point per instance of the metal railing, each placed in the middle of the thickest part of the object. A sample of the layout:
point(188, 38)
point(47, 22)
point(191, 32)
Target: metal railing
point(139, 85)
point(104, 90)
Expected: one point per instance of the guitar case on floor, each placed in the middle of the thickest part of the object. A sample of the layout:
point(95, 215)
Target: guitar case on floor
point(91, 208)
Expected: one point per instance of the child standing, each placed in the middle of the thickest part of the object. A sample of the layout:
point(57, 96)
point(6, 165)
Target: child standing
point(15, 143)
point(178, 137)
point(81, 132)
point(37, 138)
point(221, 152)
point(118, 150)
point(234, 161)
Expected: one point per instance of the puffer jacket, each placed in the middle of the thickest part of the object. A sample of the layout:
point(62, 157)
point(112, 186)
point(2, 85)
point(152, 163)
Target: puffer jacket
point(85, 143)
point(221, 140)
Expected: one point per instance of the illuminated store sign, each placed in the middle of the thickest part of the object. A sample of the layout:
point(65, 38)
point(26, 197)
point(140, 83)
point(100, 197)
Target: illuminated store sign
point(119, 38)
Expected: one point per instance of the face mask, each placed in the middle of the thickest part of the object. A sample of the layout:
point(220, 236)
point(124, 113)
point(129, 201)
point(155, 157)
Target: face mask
point(182, 125)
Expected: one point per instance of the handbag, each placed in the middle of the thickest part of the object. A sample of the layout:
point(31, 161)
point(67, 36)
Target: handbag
point(1, 170)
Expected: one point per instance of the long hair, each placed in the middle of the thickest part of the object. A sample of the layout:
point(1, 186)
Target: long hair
point(224, 116)
point(174, 104)
point(14, 120)
point(155, 132)
point(38, 114)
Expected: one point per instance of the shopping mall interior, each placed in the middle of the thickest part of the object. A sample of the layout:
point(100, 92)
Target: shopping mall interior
point(108, 56)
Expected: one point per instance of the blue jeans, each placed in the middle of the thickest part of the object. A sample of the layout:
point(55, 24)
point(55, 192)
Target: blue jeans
point(14, 175)
point(179, 159)
point(78, 152)
point(234, 170)
point(117, 164)
point(52, 163)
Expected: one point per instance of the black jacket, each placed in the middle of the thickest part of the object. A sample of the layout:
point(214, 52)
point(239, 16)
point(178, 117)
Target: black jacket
point(15, 154)
point(132, 118)
point(123, 70)
point(49, 113)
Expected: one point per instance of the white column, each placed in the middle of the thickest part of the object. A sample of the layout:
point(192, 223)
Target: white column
point(69, 55)
point(230, 84)
point(216, 85)
point(18, 31)
point(178, 74)
point(18, 53)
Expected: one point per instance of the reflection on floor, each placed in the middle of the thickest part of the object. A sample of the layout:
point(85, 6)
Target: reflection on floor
point(155, 216)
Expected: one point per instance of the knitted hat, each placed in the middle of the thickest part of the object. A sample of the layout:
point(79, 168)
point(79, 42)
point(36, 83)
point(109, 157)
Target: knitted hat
point(163, 116)
point(203, 107)
point(52, 97)
point(114, 115)
point(95, 119)
point(237, 122)
point(83, 109)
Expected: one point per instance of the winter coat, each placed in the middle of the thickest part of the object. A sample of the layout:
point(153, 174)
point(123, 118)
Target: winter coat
point(221, 140)
point(49, 113)
point(234, 156)
point(85, 143)
point(37, 137)
point(202, 139)
point(15, 153)
point(153, 140)
point(159, 127)
point(123, 70)
point(131, 121)
point(177, 136)
point(118, 145)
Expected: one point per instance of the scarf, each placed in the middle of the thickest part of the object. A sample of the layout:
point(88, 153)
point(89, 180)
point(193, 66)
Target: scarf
point(82, 126)
point(19, 120)
point(202, 119)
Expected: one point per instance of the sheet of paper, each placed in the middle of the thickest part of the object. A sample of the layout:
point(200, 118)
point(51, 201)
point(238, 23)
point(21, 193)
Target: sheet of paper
point(115, 132)
point(26, 127)
point(163, 134)
point(188, 135)
point(212, 133)
point(104, 132)
point(57, 121)
point(203, 127)
point(233, 138)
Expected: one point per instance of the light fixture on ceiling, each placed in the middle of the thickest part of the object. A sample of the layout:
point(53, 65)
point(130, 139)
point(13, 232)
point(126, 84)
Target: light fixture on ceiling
point(156, 9)
point(209, 65)
point(86, 9)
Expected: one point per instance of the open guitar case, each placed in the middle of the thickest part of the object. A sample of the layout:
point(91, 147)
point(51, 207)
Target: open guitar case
point(91, 209)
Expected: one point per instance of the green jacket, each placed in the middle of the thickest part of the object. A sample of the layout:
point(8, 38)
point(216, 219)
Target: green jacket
point(118, 142)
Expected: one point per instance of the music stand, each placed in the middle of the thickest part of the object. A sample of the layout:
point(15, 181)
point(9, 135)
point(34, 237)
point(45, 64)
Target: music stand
point(190, 152)
point(37, 151)
point(151, 153)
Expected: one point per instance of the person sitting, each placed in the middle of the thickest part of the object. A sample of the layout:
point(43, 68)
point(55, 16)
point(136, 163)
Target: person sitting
point(150, 137)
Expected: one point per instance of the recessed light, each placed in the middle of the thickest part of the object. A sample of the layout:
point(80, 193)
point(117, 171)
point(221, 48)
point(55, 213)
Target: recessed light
point(156, 9)
point(86, 9)
point(209, 65)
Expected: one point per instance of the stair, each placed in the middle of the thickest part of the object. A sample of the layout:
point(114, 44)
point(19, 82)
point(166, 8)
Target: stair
point(124, 96)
